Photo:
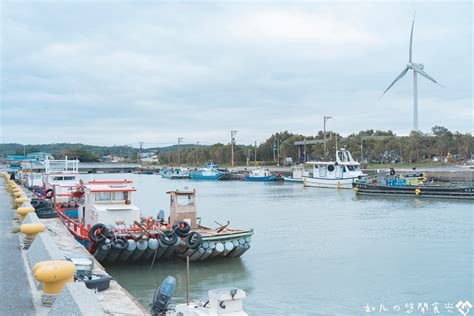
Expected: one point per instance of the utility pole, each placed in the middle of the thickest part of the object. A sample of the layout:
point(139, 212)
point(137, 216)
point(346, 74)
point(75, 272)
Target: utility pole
point(140, 154)
point(232, 141)
point(180, 139)
point(278, 151)
point(274, 149)
point(324, 132)
point(255, 153)
point(304, 150)
point(248, 156)
point(196, 152)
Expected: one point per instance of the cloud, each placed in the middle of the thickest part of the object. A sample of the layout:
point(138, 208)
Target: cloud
point(157, 71)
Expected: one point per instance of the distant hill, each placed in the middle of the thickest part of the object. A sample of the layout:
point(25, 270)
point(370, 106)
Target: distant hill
point(59, 150)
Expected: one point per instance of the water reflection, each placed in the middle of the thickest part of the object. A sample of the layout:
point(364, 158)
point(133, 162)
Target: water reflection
point(141, 280)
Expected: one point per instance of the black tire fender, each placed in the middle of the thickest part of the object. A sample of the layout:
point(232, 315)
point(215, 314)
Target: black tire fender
point(168, 237)
point(49, 193)
point(119, 243)
point(194, 240)
point(182, 229)
point(98, 233)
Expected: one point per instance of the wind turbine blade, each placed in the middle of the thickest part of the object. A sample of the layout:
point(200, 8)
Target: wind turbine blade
point(424, 74)
point(411, 38)
point(396, 79)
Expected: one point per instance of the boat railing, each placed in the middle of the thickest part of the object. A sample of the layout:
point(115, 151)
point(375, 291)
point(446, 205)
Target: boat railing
point(77, 229)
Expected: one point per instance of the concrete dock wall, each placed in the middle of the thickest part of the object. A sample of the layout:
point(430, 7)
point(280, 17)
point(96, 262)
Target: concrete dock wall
point(75, 299)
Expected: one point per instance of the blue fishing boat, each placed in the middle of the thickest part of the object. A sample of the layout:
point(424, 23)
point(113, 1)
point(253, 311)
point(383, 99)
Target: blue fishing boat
point(206, 174)
point(259, 174)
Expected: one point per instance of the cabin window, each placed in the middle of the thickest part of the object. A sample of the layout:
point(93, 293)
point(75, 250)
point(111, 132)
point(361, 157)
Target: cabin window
point(344, 169)
point(351, 168)
point(58, 178)
point(185, 200)
point(120, 196)
point(70, 178)
point(103, 196)
point(322, 171)
point(331, 168)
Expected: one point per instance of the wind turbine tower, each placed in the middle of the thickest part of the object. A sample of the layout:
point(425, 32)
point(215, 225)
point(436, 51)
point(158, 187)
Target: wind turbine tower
point(417, 69)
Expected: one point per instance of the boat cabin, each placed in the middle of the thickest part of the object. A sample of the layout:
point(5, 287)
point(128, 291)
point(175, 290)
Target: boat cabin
point(299, 172)
point(260, 172)
point(344, 167)
point(109, 203)
point(61, 173)
point(34, 179)
point(183, 207)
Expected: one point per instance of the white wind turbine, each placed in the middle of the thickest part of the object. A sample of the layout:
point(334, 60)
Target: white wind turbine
point(417, 69)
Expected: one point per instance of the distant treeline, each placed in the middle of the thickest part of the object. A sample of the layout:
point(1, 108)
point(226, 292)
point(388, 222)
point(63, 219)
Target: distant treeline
point(366, 146)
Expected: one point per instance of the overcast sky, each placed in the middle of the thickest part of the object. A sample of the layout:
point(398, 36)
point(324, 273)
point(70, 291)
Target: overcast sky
point(118, 73)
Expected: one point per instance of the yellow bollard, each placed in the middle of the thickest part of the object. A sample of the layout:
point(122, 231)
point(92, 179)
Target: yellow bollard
point(30, 231)
point(23, 211)
point(20, 200)
point(18, 193)
point(54, 274)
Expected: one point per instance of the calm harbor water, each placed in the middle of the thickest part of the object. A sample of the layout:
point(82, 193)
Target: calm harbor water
point(318, 251)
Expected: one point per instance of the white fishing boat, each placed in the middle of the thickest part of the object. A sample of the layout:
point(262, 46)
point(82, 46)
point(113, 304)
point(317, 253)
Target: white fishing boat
point(59, 178)
point(33, 180)
point(298, 172)
point(339, 174)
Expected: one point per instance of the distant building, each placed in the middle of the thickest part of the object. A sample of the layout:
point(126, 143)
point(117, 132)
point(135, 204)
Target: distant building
point(110, 158)
point(39, 156)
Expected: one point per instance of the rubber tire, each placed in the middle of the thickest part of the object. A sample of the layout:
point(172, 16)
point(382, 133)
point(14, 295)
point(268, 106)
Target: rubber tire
point(35, 201)
point(120, 243)
point(168, 237)
point(41, 204)
point(102, 236)
point(181, 232)
point(49, 196)
point(101, 282)
point(194, 240)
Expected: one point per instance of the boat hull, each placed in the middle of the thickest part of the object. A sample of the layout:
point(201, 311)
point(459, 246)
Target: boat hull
point(340, 183)
point(206, 177)
point(416, 191)
point(290, 179)
point(261, 179)
point(175, 176)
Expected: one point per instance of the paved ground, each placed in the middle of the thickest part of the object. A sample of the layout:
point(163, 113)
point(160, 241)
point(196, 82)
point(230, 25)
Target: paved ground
point(14, 286)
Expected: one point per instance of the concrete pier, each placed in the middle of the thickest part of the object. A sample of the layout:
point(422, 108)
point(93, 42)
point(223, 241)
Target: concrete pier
point(17, 296)
point(22, 294)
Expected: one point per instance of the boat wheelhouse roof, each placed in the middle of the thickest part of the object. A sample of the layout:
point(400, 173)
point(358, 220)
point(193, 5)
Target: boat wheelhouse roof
point(184, 192)
point(355, 163)
point(110, 186)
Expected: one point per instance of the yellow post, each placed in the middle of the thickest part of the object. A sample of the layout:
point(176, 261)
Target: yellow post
point(23, 211)
point(18, 193)
point(54, 274)
point(20, 200)
point(30, 231)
